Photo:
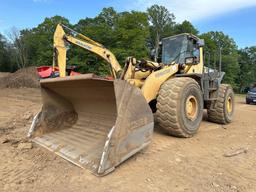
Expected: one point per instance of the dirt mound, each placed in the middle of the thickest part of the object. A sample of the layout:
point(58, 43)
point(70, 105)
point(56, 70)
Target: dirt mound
point(26, 77)
point(4, 74)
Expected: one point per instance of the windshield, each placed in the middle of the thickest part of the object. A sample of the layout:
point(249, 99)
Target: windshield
point(176, 49)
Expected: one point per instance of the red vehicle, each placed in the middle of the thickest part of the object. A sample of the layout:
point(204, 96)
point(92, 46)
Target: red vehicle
point(49, 71)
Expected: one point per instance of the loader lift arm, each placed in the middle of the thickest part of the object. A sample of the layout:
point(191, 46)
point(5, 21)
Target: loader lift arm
point(61, 38)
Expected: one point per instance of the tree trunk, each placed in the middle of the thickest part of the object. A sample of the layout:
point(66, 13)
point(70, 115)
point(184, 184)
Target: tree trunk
point(156, 46)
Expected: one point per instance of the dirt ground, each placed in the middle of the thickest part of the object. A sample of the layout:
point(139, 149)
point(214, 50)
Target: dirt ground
point(218, 158)
point(25, 77)
point(4, 74)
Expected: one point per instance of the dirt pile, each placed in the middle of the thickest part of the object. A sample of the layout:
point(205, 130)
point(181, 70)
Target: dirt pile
point(4, 74)
point(26, 77)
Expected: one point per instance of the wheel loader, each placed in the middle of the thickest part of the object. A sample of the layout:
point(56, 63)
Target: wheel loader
point(97, 123)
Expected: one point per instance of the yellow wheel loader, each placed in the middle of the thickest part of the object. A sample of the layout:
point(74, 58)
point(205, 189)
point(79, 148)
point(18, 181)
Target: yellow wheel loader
point(98, 123)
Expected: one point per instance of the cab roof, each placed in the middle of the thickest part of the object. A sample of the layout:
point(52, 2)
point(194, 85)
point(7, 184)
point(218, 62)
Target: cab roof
point(184, 34)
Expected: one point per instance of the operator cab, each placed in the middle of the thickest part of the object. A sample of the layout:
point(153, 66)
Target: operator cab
point(182, 49)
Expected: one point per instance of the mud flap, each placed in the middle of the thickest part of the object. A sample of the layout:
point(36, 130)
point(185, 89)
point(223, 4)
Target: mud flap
point(94, 123)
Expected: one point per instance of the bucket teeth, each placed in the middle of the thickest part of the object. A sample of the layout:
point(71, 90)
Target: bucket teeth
point(93, 123)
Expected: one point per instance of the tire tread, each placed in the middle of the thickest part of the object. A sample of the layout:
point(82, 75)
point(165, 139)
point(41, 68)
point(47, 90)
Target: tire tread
point(217, 114)
point(167, 101)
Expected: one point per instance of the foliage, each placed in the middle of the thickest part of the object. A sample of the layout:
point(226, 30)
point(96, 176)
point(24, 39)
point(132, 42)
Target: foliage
point(126, 34)
point(6, 62)
point(161, 25)
point(215, 41)
point(185, 27)
point(247, 64)
point(39, 41)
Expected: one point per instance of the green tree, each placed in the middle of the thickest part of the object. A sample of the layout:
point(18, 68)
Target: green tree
point(216, 41)
point(43, 37)
point(161, 24)
point(37, 44)
point(125, 34)
point(131, 35)
point(185, 27)
point(101, 29)
point(247, 64)
point(6, 62)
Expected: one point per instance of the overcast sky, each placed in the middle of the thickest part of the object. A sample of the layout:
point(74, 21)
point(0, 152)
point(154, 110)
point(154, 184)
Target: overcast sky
point(236, 18)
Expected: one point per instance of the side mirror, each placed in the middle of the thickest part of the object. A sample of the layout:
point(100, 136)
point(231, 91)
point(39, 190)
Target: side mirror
point(190, 60)
point(200, 42)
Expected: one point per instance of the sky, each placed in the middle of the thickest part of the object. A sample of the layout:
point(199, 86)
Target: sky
point(236, 18)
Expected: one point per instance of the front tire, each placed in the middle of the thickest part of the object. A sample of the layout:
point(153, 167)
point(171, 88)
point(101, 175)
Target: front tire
point(180, 106)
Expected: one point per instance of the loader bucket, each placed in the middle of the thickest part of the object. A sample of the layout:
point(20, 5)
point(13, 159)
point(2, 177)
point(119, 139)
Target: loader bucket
point(94, 123)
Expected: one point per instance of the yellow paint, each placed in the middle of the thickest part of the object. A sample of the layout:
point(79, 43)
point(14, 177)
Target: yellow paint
point(60, 37)
point(136, 82)
point(133, 72)
point(154, 81)
point(61, 50)
point(198, 68)
point(191, 108)
point(229, 105)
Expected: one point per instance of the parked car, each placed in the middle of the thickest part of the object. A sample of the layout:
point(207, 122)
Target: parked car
point(251, 96)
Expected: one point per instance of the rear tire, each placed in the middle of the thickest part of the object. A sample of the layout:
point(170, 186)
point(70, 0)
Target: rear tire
point(223, 110)
point(180, 106)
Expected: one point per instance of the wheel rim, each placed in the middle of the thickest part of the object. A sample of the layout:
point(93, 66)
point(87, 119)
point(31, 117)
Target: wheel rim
point(191, 108)
point(229, 105)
